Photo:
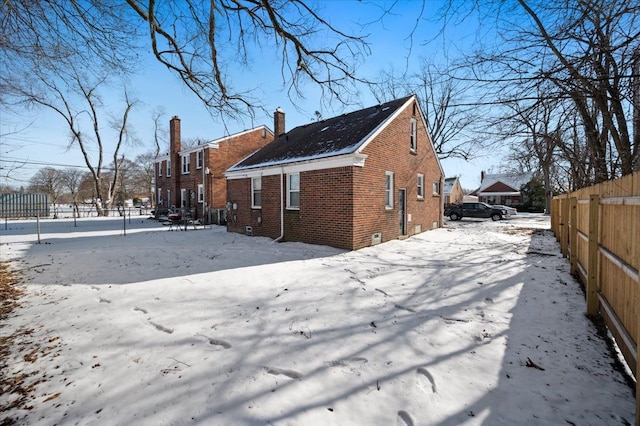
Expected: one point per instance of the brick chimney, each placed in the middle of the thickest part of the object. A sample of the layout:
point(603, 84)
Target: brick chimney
point(278, 122)
point(174, 135)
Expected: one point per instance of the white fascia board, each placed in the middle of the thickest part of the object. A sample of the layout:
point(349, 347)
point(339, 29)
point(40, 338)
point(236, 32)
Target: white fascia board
point(348, 160)
point(162, 157)
point(426, 129)
point(208, 145)
point(498, 193)
point(215, 144)
point(375, 132)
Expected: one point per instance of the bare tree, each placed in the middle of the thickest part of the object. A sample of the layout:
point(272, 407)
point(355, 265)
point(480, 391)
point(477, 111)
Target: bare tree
point(441, 98)
point(75, 98)
point(586, 50)
point(203, 42)
point(71, 178)
point(536, 129)
point(145, 175)
point(48, 181)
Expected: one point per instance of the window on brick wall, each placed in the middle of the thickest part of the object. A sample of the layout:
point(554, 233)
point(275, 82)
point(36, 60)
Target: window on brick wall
point(168, 168)
point(186, 164)
point(414, 134)
point(293, 191)
point(199, 156)
point(159, 201)
point(256, 192)
point(168, 197)
point(200, 193)
point(183, 198)
point(388, 190)
point(436, 187)
point(159, 168)
point(420, 185)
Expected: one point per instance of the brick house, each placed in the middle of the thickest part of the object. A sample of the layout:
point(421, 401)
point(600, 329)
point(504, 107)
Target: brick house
point(193, 178)
point(503, 188)
point(350, 181)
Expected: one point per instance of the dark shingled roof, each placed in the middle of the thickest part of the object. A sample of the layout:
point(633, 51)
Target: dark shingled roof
point(327, 138)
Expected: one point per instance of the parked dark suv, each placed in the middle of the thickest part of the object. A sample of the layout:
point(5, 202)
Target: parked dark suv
point(480, 210)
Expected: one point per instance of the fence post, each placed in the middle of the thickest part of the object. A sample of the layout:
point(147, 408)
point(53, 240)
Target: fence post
point(564, 224)
point(573, 235)
point(594, 239)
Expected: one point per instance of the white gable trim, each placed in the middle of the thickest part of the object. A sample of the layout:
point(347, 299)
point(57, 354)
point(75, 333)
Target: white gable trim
point(375, 132)
point(348, 160)
point(371, 136)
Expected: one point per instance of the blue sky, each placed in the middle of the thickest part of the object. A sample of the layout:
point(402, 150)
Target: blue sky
point(44, 140)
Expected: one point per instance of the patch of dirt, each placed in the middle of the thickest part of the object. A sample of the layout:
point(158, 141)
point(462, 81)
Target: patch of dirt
point(11, 384)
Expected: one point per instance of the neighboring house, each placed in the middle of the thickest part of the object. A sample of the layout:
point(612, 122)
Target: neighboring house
point(453, 193)
point(502, 188)
point(350, 181)
point(193, 178)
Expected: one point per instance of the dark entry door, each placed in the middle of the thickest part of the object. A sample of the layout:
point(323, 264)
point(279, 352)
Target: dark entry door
point(402, 210)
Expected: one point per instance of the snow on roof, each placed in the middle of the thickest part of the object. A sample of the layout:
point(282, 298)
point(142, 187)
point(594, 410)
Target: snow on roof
point(335, 136)
point(448, 184)
point(513, 180)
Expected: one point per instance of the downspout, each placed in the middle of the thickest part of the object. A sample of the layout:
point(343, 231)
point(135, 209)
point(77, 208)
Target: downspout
point(277, 240)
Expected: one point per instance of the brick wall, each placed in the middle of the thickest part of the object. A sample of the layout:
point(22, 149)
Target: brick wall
point(390, 151)
point(265, 221)
point(229, 152)
point(343, 207)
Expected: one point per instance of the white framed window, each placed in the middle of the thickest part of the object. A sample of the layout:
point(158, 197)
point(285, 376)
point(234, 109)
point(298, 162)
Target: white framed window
point(159, 200)
point(159, 168)
point(420, 185)
point(186, 164)
point(168, 168)
point(199, 158)
point(183, 198)
point(388, 190)
point(200, 193)
point(414, 134)
point(168, 197)
point(293, 191)
point(436, 187)
point(256, 192)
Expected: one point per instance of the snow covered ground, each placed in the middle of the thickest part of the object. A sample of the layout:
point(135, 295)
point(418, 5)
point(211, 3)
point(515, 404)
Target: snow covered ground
point(476, 323)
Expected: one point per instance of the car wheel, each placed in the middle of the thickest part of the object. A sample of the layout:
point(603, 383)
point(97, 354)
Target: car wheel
point(454, 216)
point(496, 216)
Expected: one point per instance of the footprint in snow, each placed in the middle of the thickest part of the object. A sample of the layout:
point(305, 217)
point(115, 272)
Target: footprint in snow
point(281, 371)
point(161, 327)
point(104, 300)
point(423, 376)
point(404, 419)
point(144, 311)
point(216, 342)
point(349, 365)
point(404, 308)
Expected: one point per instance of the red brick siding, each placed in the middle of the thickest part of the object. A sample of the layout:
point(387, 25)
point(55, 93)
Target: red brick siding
point(390, 151)
point(326, 209)
point(343, 207)
point(218, 160)
point(265, 221)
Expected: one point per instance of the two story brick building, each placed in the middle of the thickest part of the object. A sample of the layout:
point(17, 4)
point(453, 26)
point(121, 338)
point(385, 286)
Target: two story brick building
point(350, 181)
point(193, 178)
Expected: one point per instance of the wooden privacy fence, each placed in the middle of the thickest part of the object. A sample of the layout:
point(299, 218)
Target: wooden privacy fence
point(599, 231)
